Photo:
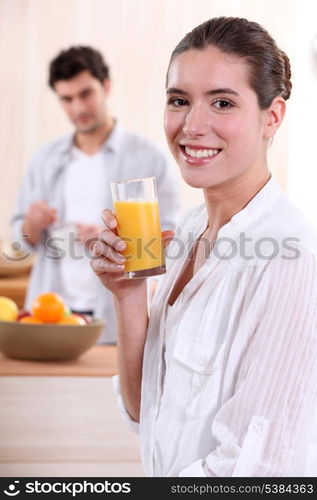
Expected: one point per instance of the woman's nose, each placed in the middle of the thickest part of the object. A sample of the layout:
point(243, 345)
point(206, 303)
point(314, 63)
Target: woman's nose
point(197, 122)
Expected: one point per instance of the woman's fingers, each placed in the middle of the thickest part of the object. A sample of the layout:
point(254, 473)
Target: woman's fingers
point(167, 237)
point(109, 219)
point(106, 251)
point(111, 239)
point(101, 249)
point(110, 245)
point(106, 256)
point(102, 266)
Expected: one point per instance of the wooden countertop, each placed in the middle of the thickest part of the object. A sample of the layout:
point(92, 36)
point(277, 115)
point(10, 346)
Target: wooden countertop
point(98, 361)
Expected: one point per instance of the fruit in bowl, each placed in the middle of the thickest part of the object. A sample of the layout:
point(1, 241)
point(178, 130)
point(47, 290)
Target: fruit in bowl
point(30, 319)
point(22, 314)
point(8, 309)
point(50, 331)
point(48, 307)
point(72, 319)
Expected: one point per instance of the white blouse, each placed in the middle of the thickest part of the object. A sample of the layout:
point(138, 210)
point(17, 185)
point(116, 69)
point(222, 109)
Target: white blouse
point(229, 384)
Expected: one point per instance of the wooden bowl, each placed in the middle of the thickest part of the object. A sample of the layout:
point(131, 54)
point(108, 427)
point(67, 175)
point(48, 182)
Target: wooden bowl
point(47, 342)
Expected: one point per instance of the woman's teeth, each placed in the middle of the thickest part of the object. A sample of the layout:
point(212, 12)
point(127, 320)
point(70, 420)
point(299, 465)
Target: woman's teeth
point(201, 153)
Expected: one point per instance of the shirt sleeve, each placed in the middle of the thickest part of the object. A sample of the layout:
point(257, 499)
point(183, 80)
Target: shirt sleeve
point(264, 428)
point(29, 192)
point(132, 425)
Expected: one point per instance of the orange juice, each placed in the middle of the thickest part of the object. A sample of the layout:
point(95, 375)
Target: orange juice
point(139, 226)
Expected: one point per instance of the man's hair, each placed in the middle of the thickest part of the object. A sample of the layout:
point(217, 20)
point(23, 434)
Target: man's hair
point(74, 60)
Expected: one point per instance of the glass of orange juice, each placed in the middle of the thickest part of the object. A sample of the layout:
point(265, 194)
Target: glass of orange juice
point(137, 212)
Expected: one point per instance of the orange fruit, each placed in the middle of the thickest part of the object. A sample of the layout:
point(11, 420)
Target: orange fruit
point(72, 319)
point(48, 307)
point(30, 319)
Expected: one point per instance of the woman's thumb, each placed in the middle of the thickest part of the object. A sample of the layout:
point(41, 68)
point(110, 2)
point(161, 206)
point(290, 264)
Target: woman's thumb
point(167, 237)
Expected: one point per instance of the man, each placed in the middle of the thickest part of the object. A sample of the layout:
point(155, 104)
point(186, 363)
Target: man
point(68, 185)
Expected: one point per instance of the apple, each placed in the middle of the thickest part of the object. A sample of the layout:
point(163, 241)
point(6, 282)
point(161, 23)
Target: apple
point(88, 319)
point(23, 313)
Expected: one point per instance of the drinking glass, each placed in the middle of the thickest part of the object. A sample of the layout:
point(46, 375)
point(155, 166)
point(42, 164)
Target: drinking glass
point(137, 212)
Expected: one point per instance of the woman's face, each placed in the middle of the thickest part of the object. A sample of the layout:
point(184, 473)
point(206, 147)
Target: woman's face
point(213, 123)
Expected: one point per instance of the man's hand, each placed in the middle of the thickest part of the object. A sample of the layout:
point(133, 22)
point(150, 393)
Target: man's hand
point(38, 217)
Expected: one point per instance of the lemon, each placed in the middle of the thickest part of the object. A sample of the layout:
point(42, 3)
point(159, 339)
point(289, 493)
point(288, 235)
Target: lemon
point(8, 309)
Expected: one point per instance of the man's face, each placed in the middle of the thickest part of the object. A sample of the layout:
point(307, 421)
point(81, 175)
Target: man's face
point(83, 98)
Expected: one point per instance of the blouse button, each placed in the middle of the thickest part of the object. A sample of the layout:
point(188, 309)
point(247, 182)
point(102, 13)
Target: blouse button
point(258, 428)
point(202, 361)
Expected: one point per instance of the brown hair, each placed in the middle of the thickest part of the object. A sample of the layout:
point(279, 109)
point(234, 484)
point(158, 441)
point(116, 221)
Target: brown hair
point(70, 62)
point(270, 70)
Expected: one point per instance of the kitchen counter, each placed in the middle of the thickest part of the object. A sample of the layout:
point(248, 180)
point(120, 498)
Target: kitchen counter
point(98, 361)
point(60, 419)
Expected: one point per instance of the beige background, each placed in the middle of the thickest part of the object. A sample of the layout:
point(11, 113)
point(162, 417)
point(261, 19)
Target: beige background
point(136, 37)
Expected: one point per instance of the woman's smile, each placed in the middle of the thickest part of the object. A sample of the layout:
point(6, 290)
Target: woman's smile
point(199, 155)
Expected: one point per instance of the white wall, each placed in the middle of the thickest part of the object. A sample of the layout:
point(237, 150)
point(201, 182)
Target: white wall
point(137, 37)
point(302, 145)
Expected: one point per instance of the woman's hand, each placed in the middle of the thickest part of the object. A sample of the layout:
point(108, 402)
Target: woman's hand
point(88, 234)
point(108, 261)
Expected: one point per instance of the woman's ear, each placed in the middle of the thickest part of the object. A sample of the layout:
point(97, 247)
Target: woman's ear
point(274, 116)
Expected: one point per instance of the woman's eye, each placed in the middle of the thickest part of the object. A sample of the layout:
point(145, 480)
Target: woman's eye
point(177, 102)
point(222, 104)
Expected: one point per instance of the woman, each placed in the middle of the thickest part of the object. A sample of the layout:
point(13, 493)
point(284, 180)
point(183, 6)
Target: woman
point(228, 358)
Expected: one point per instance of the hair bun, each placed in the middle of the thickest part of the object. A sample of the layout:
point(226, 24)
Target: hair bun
point(287, 76)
